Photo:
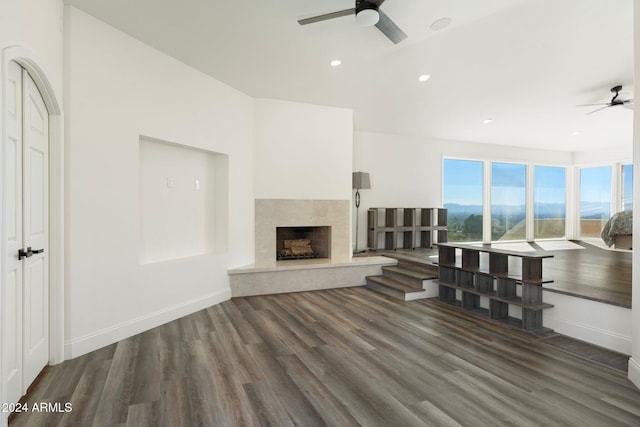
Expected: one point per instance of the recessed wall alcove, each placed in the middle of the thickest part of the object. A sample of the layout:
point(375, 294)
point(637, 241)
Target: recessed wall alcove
point(183, 194)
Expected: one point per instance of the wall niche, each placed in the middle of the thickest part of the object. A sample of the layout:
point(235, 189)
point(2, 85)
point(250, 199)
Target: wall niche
point(183, 195)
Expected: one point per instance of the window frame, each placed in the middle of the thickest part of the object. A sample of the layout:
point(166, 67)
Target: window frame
point(529, 196)
point(614, 191)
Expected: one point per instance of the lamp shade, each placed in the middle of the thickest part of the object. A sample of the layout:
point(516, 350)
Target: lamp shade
point(361, 181)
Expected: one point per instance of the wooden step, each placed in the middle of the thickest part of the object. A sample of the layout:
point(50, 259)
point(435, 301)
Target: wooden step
point(425, 267)
point(395, 289)
point(409, 277)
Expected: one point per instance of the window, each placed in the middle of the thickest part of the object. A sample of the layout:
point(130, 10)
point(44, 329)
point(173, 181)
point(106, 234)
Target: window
point(514, 186)
point(462, 188)
point(627, 187)
point(595, 200)
point(549, 202)
point(508, 200)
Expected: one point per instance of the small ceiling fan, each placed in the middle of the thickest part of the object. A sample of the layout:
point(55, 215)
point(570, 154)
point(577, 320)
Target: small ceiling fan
point(627, 103)
point(368, 14)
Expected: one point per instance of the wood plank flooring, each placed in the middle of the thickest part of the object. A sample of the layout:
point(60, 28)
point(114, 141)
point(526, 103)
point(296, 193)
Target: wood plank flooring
point(594, 273)
point(341, 357)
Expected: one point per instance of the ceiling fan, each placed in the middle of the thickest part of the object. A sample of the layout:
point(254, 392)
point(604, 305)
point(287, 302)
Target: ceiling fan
point(368, 14)
point(627, 103)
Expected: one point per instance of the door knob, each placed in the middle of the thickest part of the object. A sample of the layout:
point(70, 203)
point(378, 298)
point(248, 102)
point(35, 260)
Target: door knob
point(24, 253)
point(38, 251)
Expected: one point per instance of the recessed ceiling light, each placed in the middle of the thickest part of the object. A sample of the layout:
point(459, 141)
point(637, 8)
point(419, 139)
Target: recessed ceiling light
point(440, 24)
point(335, 63)
point(487, 121)
point(576, 133)
point(424, 77)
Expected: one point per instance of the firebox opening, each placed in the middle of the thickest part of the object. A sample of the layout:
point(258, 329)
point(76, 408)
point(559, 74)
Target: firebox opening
point(303, 242)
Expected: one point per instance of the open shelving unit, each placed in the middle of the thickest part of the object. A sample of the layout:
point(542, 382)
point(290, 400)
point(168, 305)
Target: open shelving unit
point(463, 282)
point(405, 228)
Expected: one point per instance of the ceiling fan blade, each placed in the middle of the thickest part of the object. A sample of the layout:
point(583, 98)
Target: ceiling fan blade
point(390, 29)
point(597, 109)
point(327, 16)
point(628, 103)
point(593, 105)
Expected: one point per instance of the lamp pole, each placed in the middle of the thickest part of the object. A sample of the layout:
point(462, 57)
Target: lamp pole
point(357, 215)
point(360, 182)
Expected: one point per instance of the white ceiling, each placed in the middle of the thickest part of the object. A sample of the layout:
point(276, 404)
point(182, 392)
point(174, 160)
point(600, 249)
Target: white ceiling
point(524, 63)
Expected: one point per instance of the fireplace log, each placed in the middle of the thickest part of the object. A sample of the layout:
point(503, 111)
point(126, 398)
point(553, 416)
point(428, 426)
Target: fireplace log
point(297, 243)
point(297, 247)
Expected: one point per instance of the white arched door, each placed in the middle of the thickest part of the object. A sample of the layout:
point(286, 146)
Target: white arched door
point(25, 310)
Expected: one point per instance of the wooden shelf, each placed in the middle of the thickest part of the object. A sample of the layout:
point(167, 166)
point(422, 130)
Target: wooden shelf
point(464, 281)
point(514, 300)
point(405, 228)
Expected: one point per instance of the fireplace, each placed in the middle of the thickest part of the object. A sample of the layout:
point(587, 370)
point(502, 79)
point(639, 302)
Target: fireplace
point(271, 214)
point(303, 242)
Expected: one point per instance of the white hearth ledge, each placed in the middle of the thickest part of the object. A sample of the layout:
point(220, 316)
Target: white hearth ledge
point(304, 275)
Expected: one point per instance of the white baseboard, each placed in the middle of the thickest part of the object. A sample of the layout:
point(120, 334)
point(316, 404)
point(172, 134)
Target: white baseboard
point(634, 372)
point(604, 325)
point(594, 335)
point(107, 336)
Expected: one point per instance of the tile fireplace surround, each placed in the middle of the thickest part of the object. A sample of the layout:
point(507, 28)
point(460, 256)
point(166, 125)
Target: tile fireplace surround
point(270, 276)
point(273, 213)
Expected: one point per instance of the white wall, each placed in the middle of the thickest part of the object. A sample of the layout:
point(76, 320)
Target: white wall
point(634, 362)
point(606, 325)
point(609, 155)
point(302, 151)
point(119, 89)
point(36, 25)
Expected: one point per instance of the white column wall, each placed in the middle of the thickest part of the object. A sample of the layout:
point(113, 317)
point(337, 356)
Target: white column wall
point(119, 89)
point(302, 151)
point(634, 362)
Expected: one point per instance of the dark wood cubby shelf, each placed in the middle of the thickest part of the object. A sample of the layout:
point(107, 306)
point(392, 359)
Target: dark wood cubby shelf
point(462, 282)
point(405, 228)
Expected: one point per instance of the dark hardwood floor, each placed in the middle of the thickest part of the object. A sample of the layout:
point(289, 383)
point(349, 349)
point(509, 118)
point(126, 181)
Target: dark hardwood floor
point(340, 357)
point(594, 273)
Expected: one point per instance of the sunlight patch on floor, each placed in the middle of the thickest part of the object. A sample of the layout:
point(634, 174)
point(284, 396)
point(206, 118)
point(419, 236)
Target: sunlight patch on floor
point(556, 245)
point(513, 246)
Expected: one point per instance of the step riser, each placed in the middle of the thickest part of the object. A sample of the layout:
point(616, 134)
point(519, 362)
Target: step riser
point(399, 295)
point(393, 293)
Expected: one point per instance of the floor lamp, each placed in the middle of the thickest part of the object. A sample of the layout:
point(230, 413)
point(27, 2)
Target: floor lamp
point(360, 182)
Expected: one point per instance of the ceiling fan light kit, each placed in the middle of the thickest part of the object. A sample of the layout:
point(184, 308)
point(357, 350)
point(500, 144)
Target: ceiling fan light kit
point(367, 14)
